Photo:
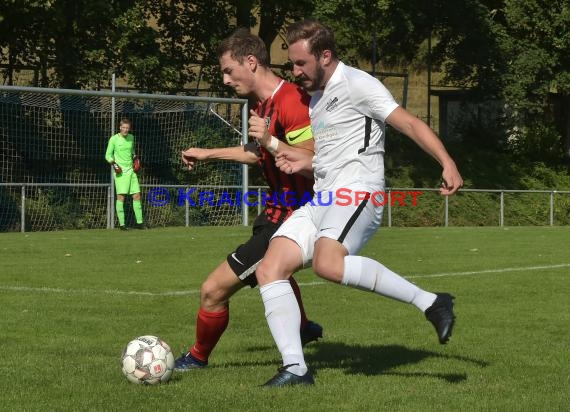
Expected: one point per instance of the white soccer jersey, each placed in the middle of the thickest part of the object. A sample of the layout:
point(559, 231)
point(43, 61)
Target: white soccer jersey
point(348, 121)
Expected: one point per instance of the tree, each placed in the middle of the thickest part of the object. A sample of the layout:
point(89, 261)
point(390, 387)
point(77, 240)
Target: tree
point(537, 76)
point(21, 42)
point(275, 14)
point(515, 51)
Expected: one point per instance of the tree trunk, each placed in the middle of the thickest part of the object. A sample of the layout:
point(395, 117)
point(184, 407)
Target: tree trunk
point(243, 13)
point(271, 19)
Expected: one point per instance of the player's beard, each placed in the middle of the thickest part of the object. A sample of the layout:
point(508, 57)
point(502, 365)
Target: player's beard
point(318, 81)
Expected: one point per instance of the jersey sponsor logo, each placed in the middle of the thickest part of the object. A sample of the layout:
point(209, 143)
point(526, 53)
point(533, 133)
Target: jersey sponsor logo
point(331, 104)
point(325, 133)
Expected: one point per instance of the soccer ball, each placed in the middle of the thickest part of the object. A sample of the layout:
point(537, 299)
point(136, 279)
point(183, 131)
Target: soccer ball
point(148, 360)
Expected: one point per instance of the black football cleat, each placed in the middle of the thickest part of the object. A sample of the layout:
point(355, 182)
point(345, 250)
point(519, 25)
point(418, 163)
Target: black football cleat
point(123, 227)
point(311, 333)
point(286, 378)
point(140, 226)
point(441, 315)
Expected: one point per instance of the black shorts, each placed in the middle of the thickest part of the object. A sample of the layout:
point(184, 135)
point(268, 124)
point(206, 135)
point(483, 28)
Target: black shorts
point(247, 256)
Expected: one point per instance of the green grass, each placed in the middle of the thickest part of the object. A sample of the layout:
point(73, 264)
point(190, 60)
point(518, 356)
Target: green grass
point(69, 306)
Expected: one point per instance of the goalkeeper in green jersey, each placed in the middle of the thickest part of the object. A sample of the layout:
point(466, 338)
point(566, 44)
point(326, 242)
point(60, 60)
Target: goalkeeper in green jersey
point(121, 156)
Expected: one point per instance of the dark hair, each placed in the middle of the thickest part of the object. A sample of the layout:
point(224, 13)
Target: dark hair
point(319, 37)
point(124, 120)
point(242, 44)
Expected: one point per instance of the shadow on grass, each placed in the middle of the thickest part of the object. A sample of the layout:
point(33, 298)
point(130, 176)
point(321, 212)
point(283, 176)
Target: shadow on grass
point(372, 360)
point(379, 359)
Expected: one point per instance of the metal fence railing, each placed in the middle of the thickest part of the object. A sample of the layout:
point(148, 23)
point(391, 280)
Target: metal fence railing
point(484, 207)
point(38, 208)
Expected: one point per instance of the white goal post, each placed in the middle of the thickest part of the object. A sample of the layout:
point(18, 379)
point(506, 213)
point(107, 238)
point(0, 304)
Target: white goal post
point(53, 174)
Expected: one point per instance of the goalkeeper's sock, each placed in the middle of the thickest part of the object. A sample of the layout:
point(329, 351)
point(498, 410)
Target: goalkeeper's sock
point(137, 207)
point(297, 292)
point(120, 207)
point(367, 274)
point(209, 328)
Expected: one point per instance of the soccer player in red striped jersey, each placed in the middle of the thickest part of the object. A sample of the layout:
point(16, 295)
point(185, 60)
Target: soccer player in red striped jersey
point(280, 117)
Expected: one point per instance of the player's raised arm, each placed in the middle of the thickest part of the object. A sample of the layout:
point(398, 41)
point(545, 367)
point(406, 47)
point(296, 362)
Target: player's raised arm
point(420, 133)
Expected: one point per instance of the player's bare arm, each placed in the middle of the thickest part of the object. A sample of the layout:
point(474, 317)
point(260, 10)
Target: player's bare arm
point(291, 161)
point(243, 154)
point(419, 132)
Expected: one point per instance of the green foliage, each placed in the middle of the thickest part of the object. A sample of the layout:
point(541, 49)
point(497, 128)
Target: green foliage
point(387, 25)
point(511, 51)
point(540, 176)
point(153, 44)
point(61, 208)
point(537, 142)
point(530, 63)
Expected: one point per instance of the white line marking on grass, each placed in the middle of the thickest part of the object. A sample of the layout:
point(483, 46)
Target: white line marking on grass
point(97, 291)
point(317, 283)
point(482, 272)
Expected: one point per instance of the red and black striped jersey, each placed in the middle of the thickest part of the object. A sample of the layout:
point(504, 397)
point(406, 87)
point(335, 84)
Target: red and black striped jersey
point(287, 114)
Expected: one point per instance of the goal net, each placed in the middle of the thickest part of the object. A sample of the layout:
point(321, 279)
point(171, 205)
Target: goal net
point(52, 158)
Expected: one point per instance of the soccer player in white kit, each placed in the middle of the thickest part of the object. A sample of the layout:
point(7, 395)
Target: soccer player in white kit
point(348, 110)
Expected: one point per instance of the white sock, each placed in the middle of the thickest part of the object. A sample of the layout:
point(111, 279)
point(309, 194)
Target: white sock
point(284, 320)
point(367, 274)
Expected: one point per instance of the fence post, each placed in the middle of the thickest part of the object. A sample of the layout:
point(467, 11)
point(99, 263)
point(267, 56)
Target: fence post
point(389, 201)
point(111, 173)
point(259, 201)
point(245, 168)
point(502, 210)
point(109, 205)
point(446, 211)
point(552, 208)
point(187, 211)
point(23, 210)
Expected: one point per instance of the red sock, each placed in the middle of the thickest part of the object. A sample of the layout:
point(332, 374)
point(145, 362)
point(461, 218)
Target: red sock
point(209, 328)
point(297, 292)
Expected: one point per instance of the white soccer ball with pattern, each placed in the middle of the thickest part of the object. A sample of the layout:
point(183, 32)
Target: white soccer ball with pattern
point(148, 360)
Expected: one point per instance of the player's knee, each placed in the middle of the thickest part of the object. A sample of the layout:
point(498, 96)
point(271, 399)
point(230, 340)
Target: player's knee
point(262, 272)
point(267, 272)
point(213, 296)
point(320, 268)
point(327, 269)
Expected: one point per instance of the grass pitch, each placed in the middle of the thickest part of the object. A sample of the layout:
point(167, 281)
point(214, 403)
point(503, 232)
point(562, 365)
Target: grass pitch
point(71, 300)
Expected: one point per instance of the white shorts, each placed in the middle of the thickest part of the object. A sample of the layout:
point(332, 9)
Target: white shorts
point(343, 216)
